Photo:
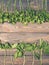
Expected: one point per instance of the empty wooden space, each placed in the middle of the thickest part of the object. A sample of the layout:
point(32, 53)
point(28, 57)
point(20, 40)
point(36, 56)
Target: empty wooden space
point(19, 27)
point(23, 36)
point(20, 32)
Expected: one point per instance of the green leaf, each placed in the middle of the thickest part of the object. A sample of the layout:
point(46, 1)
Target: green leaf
point(3, 46)
point(14, 45)
point(18, 54)
point(5, 19)
point(28, 47)
point(7, 45)
point(19, 47)
point(1, 20)
point(46, 50)
point(22, 45)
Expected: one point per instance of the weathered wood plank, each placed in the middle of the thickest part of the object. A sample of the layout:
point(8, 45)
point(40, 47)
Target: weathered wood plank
point(6, 27)
point(19, 27)
point(23, 36)
point(19, 61)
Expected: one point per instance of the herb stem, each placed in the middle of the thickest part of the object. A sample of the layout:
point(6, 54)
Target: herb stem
point(24, 60)
point(33, 58)
point(20, 4)
point(41, 58)
point(5, 58)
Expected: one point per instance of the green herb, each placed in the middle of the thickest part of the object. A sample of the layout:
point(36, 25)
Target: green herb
point(36, 49)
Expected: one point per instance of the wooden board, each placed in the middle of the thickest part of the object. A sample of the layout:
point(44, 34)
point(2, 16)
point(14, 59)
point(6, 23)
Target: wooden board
point(19, 27)
point(23, 36)
point(28, 33)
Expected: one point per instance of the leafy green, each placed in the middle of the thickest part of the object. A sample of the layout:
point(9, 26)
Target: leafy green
point(43, 47)
point(7, 45)
point(46, 50)
point(14, 45)
point(25, 16)
point(18, 54)
point(28, 47)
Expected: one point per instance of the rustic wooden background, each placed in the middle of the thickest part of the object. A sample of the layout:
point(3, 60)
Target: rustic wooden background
point(19, 32)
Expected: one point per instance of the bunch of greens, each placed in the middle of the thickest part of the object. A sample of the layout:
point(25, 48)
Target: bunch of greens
point(5, 46)
point(36, 49)
point(24, 16)
point(42, 45)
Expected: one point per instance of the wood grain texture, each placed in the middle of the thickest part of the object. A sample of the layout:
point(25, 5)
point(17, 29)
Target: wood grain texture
point(23, 36)
point(19, 27)
point(9, 59)
point(28, 33)
point(18, 33)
